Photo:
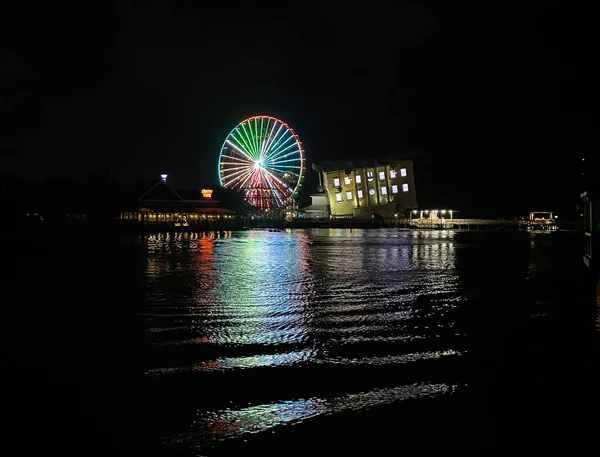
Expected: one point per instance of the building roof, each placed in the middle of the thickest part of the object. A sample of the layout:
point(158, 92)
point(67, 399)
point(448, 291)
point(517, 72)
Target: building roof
point(161, 198)
point(357, 162)
point(160, 191)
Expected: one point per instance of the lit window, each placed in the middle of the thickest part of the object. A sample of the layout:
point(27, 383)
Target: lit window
point(358, 179)
point(348, 195)
point(404, 187)
point(346, 180)
point(394, 189)
point(359, 193)
point(403, 172)
point(336, 182)
point(384, 190)
point(392, 174)
point(338, 197)
point(371, 191)
point(369, 176)
point(381, 175)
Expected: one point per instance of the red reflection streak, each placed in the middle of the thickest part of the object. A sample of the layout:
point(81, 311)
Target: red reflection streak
point(222, 427)
point(203, 339)
point(205, 253)
point(204, 264)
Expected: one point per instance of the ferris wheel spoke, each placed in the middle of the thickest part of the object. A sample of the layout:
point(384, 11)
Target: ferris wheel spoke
point(237, 159)
point(256, 136)
point(248, 140)
point(247, 177)
point(231, 170)
point(265, 141)
point(252, 137)
point(274, 187)
point(248, 135)
point(273, 141)
point(279, 154)
point(238, 177)
point(268, 140)
point(231, 175)
point(274, 177)
point(281, 170)
point(241, 151)
point(242, 143)
point(261, 139)
point(275, 151)
point(276, 163)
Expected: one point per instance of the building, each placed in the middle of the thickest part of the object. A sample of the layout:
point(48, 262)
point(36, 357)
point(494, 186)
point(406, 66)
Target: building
point(366, 189)
point(161, 205)
point(319, 207)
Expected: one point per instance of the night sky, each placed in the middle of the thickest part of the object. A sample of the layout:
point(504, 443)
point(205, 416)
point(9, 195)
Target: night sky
point(495, 94)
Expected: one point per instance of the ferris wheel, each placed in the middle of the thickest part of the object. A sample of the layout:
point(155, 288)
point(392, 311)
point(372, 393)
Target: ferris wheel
point(262, 157)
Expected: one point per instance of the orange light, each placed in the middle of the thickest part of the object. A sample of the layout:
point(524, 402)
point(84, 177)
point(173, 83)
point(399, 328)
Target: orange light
point(206, 193)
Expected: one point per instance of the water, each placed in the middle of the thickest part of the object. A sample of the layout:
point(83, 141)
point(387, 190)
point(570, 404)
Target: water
point(280, 329)
point(326, 340)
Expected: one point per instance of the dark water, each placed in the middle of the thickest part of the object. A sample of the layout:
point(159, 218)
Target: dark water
point(320, 341)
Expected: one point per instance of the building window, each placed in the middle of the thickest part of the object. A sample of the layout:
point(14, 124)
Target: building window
point(392, 174)
point(349, 196)
point(371, 191)
point(394, 189)
point(358, 179)
point(338, 197)
point(403, 172)
point(359, 193)
point(381, 175)
point(369, 176)
point(404, 187)
point(346, 180)
point(383, 190)
point(336, 182)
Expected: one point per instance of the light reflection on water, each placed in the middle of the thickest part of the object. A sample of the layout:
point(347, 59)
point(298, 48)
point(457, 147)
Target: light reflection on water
point(322, 298)
point(255, 419)
point(261, 307)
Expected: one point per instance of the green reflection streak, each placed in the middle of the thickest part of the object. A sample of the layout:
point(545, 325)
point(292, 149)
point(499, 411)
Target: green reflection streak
point(260, 278)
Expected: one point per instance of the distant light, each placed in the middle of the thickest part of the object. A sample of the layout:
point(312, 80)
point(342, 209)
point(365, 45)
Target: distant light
point(443, 211)
point(583, 160)
point(206, 193)
point(426, 211)
point(163, 177)
point(555, 217)
point(415, 211)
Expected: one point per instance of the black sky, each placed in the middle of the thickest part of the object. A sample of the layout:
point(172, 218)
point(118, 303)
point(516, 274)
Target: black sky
point(494, 93)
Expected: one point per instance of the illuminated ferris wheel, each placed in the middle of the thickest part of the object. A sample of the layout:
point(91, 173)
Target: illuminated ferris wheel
point(263, 158)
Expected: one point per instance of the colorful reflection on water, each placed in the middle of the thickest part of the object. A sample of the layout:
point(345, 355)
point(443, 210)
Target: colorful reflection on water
point(300, 324)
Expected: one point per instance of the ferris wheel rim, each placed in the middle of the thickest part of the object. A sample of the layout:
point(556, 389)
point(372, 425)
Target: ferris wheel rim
point(296, 142)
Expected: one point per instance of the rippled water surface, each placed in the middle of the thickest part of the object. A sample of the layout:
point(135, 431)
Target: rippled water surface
point(281, 336)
